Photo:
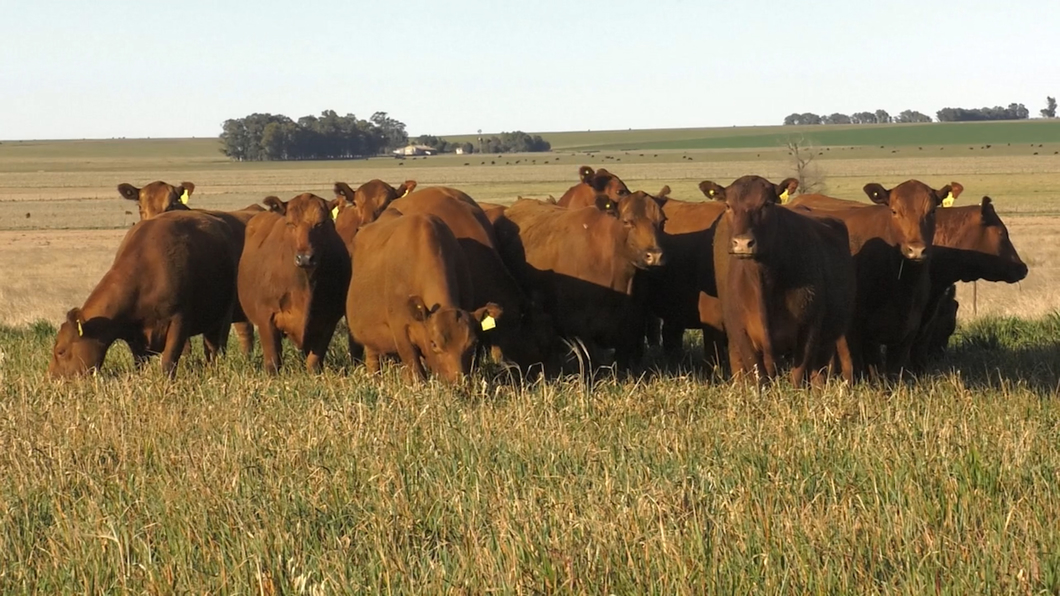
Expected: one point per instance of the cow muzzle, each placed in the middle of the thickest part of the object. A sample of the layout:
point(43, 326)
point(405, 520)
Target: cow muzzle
point(914, 252)
point(305, 260)
point(653, 257)
point(743, 246)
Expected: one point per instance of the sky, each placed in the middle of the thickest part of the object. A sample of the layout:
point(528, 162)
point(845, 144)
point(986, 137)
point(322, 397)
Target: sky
point(143, 68)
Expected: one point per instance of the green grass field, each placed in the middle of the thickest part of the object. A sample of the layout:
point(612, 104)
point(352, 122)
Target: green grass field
point(678, 482)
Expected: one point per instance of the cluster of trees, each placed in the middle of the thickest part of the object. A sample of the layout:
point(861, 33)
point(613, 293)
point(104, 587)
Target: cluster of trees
point(507, 142)
point(877, 117)
point(442, 145)
point(1014, 111)
point(1049, 111)
point(269, 137)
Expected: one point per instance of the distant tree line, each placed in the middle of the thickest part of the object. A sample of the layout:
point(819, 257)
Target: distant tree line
point(506, 142)
point(273, 137)
point(1014, 111)
point(877, 117)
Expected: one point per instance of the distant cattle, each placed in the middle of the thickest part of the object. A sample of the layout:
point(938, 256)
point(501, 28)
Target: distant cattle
point(785, 280)
point(411, 295)
point(293, 277)
point(159, 197)
point(891, 243)
point(359, 207)
point(174, 276)
point(524, 336)
point(594, 183)
point(582, 263)
point(971, 243)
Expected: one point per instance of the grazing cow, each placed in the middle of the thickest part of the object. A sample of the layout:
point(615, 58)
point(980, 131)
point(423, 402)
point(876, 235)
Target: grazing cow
point(158, 197)
point(582, 262)
point(524, 336)
point(360, 207)
point(891, 243)
point(293, 277)
point(675, 289)
point(786, 282)
point(174, 277)
point(411, 294)
point(593, 184)
point(971, 243)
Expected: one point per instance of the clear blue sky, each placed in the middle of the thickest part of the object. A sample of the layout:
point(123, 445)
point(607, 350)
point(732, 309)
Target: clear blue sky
point(135, 68)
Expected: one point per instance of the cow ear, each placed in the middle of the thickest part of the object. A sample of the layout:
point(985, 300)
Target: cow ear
point(418, 309)
point(343, 190)
point(712, 190)
point(987, 212)
point(585, 173)
point(600, 180)
point(787, 188)
point(75, 317)
point(188, 186)
point(128, 191)
point(407, 187)
point(487, 315)
point(606, 204)
point(664, 192)
point(551, 199)
point(275, 205)
point(878, 194)
point(946, 195)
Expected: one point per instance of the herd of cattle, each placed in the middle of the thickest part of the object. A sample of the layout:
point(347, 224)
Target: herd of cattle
point(814, 283)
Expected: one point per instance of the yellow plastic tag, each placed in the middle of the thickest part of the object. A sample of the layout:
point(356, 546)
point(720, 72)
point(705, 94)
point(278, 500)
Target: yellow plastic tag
point(404, 194)
point(711, 193)
point(488, 323)
point(335, 212)
point(948, 201)
point(784, 197)
point(184, 198)
point(80, 330)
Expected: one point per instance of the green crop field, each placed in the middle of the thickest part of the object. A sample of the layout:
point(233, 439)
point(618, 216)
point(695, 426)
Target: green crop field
point(673, 481)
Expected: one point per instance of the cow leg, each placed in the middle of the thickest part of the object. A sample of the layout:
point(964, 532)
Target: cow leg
point(741, 353)
point(846, 364)
point(140, 353)
point(316, 347)
point(371, 359)
point(176, 337)
point(245, 334)
point(410, 356)
point(213, 342)
point(270, 347)
point(653, 336)
point(673, 336)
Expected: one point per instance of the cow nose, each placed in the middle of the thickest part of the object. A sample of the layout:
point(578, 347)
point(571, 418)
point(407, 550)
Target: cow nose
point(305, 259)
point(743, 245)
point(915, 252)
point(653, 257)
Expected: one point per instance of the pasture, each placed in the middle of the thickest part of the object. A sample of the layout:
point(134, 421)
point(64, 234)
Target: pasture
point(674, 482)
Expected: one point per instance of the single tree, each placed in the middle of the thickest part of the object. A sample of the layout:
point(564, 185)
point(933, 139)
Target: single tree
point(1050, 108)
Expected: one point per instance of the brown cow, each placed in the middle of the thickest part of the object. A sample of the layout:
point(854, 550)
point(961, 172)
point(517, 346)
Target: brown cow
point(525, 335)
point(675, 289)
point(360, 207)
point(159, 197)
point(411, 294)
point(293, 277)
point(584, 194)
point(583, 262)
point(891, 243)
point(786, 282)
point(971, 243)
point(173, 277)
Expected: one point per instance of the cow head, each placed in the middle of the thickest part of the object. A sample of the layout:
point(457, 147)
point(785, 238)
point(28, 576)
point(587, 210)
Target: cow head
point(158, 197)
point(979, 228)
point(370, 199)
point(603, 182)
point(750, 209)
point(642, 218)
point(913, 205)
point(525, 335)
point(80, 346)
point(308, 221)
point(446, 337)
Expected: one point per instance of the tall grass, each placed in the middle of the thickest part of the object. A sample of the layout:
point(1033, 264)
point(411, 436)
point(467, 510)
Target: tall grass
point(230, 481)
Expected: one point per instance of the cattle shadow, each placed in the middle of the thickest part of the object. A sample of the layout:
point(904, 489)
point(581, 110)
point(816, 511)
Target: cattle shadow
point(1002, 353)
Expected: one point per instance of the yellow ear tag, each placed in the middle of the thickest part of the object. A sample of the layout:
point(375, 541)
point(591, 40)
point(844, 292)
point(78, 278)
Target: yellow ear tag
point(948, 201)
point(80, 330)
point(784, 197)
point(404, 194)
point(335, 212)
point(489, 323)
point(184, 198)
point(711, 192)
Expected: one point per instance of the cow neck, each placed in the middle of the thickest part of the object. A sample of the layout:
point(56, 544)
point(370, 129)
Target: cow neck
point(877, 219)
point(108, 307)
point(952, 223)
